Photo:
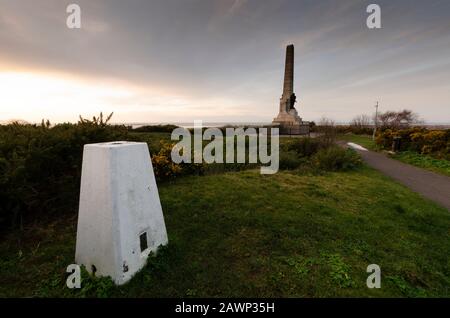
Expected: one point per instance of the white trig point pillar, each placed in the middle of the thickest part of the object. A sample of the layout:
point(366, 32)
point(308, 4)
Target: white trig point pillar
point(120, 218)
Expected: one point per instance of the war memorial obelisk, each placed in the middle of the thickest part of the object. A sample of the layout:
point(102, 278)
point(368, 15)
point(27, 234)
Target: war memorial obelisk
point(288, 120)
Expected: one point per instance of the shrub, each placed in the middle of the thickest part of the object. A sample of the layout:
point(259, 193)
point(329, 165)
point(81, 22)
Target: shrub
point(356, 130)
point(421, 140)
point(40, 166)
point(166, 169)
point(304, 147)
point(336, 159)
point(327, 129)
point(156, 128)
point(163, 166)
point(320, 153)
point(289, 160)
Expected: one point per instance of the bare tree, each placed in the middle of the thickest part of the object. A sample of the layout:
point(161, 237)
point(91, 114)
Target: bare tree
point(408, 118)
point(327, 128)
point(361, 121)
point(397, 120)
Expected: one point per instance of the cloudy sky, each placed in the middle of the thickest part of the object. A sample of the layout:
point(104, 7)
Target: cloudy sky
point(221, 60)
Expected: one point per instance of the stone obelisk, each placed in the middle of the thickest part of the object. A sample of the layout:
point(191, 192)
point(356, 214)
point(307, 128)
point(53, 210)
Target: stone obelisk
point(288, 120)
point(288, 86)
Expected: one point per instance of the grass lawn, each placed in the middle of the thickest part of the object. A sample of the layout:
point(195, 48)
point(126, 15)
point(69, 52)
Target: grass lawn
point(362, 140)
point(243, 234)
point(424, 161)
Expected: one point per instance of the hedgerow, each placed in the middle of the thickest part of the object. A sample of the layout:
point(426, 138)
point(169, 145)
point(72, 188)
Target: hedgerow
point(421, 140)
point(40, 166)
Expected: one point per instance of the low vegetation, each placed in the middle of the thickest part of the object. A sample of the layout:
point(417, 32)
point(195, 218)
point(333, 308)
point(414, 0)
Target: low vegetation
point(424, 161)
point(155, 128)
point(423, 141)
point(318, 154)
point(40, 167)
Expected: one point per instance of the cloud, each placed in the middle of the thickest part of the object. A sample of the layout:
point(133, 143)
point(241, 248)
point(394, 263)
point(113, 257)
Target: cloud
point(236, 6)
point(224, 58)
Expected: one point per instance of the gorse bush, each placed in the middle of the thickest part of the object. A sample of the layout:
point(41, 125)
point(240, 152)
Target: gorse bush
point(336, 159)
point(163, 166)
point(40, 166)
point(318, 153)
point(306, 147)
point(352, 129)
point(290, 160)
point(166, 169)
point(156, 128)
point(421, 140)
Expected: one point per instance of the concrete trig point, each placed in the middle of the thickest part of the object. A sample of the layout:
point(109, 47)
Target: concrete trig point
point(120, 217)
point(288, 120)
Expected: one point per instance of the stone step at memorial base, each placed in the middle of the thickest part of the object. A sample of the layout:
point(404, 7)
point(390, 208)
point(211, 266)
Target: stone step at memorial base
point(294, 129)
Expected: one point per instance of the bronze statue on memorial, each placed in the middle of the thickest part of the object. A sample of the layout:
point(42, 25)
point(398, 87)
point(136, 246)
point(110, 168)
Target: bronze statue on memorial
point(292, 101)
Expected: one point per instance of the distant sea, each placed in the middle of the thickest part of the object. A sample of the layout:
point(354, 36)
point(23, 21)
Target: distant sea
point(258, 124)
point(429, 125)
point(204, 124)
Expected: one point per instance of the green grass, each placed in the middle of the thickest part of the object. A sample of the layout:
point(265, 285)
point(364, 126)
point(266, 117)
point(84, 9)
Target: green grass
point(244, 234)
point(424, 161)
point(362, 140)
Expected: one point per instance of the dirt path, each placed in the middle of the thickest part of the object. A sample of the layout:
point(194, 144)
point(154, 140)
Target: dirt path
point(434, 186)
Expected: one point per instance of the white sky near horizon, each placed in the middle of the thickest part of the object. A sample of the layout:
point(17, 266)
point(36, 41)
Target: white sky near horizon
point(221, 60)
